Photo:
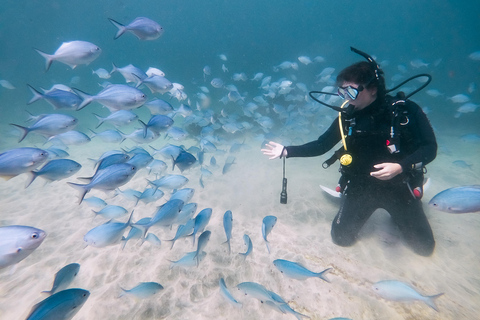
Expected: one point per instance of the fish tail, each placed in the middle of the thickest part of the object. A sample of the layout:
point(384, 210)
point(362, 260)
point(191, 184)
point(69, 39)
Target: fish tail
point(47, 292)
point(48, 59)
point(36, 95)
point(430, 301)
point(32, 175)
point(100, 120)
point(268, 246)
point(25, 131)
point(322, 274)
point(173, 162)
point(80, 187)
point(121, 28)
point(228, 244)
point(124, 243)
point(115, 68)
point(145, 128)
point(86, 98)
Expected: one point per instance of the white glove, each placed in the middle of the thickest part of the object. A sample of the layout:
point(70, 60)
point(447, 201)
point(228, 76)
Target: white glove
point(274, 150)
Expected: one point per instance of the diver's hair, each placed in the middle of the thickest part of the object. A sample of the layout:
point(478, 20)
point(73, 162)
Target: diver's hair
point(361, 72)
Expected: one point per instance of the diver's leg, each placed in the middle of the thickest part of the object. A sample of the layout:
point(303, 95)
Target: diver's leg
point(410, 218)
point(356, 208)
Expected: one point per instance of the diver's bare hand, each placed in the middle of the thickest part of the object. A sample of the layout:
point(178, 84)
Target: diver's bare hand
point(274, 150)
point(387, 170)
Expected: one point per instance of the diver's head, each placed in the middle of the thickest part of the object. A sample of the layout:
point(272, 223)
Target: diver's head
point(358, 84)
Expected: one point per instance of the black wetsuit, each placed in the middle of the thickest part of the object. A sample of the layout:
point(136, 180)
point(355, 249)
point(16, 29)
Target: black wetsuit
point(367, 132)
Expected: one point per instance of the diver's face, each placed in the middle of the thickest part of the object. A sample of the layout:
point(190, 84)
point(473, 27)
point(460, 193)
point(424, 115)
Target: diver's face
point(364, 97)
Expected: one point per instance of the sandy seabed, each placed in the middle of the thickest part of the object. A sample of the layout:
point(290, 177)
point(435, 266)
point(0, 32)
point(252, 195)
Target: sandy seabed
point(251, 191)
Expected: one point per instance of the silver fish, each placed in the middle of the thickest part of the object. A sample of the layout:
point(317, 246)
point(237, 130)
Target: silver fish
point(143, 290)
point(18, 242)
point(72, 54)
point(16, 161)
point(457, 200)
point(64, 277)
point(107, 234)
point(59, 99)
point(115, 97)
point(143, 28)
point(49, 125)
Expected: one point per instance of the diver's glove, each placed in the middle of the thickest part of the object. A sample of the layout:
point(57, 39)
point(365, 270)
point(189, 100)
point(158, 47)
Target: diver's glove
point(274, 150)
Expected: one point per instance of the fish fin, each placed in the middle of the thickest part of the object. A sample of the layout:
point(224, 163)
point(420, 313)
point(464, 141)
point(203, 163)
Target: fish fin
point(86, 98)
point(268, 246)
point(48, 59)
point(430, 301)
point(121, 28)
point(145, 128)
point(47, 292)
point(100, 120)
point(322, 274)
point(25, 131)
point(115, 68)
point(173, 162)
point(82, 188)
point(36, 95)
point(32, 175)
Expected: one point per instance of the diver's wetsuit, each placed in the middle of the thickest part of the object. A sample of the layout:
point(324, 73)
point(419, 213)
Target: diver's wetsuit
point(368, 130)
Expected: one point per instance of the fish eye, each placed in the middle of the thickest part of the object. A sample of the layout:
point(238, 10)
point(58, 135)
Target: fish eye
point(19, 250)
point(34, 236)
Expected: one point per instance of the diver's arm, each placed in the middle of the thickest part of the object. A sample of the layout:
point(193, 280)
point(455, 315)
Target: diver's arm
point(427, 149)
point(318, 147)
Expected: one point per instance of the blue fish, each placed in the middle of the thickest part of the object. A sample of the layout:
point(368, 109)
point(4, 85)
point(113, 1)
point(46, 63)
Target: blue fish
point(49, 125)
point(201, 221)
point(297, 271)
point(169, 181)
point(225, 293)
point(159, 106)
point(150, 195)
point(107, 234)
point(399, 291)
point(227, 225)
point(17, 161)
point(177, 133)
point(143, 28)
point(61, 305)
point(55, 170)
point(157, 123)
point(166, 215)
point(109, 178)
point(111, 212)
point(95, 202)
point(143, 290)
point(185, 194)
point(188, 211)
point(457, 200)
point(118, 118)
point(188, 260)
point(282, 306)
point(134, 233)
point(184, 161)
point(256, 290)
point(140, 160)
point(69, 138)
point(115, 97)
point(59, 99)
point(202, 243)
point(249, 244)
point(153, 239)
point(18, 242)
point(183, 231)
point(108, 136)
point(64, 277)
point(267, 226)
point(228, 164)
point(112, 159)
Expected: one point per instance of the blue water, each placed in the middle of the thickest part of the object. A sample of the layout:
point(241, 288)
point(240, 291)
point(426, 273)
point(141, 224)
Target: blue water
point(255, 36)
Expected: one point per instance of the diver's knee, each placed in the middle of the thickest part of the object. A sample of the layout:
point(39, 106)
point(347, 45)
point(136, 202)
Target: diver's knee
point(424, 249)
point(342, 239)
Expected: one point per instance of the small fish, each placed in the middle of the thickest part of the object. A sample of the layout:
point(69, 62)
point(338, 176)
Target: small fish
point(184, 161)
point(109, 178)
point(228, 164)
point(95, 202)
point(475, 55)
point(399, 291)
point(153, 239)
point(169, 181)
point(102, 73)
point(177, 133)
point(49, 125)
point(134, 233)
point(118, 118)
point(459, 98)
point(166, 215)
point(227, 225)
point(217, 83)
point(143, 290)
point(183, 231)
point(68, 138)
point(111, 212)
point(18, 242)
point(115, 97)
point(108, 136)
point(72, 54)
point(297, 271)
point(188, 260)
point(201, 221)
point(256, 290)
point(249, 244)
point(143, 28)
point(17, 161)
point(130, 72)
point(462, 199)
point(6, 84)
point(305, 60)
point(59, 99)
point(202, 243)
point(61, 305)
point(267, 225)
point(226, 294)
point(55, 170)
point(107, 234)
point(187, 213)
point(64, 277)
point(150, 195)
point(282, 306)
point(156, 84)
point(185, 194)
point(159, 106)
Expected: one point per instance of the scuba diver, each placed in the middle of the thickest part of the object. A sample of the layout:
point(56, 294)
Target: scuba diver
point(387, 141)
